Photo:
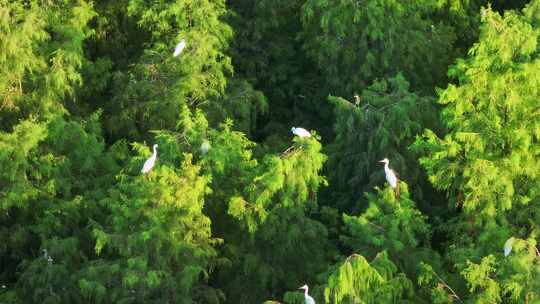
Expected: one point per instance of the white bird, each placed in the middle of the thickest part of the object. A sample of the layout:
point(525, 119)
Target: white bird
point(391, 177)
point(508, 246)
point(307, 297)
point(356, 100)
point(301, 132)
point(179, 47)
point(205, 146)
point(149, 163)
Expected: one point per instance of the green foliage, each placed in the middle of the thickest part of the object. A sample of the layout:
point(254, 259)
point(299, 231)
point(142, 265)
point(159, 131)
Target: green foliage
point(358, 281)
point(388, 224)
point(273, 210)
point(487, 163)
point(41, 52)
point(241, 103)
point(268, 53)
point(355, 43)
point(152, 86)
point(236, 209)
point(156, 235)
point(383, 124)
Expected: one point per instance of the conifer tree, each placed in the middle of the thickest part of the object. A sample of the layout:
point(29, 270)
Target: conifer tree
point(55, 186)
point(280, 244)
point(156, 241)
point(149, 90)
point(41, 54)
point(267, 52)
point(393, 225)
point(383, 124)
point(360, 281)
point(354, 43)
point(487, 163)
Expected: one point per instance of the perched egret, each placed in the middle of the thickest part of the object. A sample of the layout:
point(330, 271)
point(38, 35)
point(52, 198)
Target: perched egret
point(149, 163)
point(508, 246)
point(179, 48)
point(205, 146)
point(308, 298)
point(356, 100)
point(301, 132)
point(47, 257)
point(391, 177)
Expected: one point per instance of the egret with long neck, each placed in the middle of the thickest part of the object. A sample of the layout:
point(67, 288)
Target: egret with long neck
point(391, 176)
point(149, 163)
point(308, 299)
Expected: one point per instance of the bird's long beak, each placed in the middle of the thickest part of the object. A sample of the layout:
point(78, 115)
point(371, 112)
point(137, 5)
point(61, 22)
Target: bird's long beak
point(381, 161)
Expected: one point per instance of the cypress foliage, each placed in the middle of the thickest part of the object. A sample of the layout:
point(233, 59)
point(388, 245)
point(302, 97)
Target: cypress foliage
point(383, 124)
point(487, 163)
point(358, 281)
point(236, 209)
point(354, 43)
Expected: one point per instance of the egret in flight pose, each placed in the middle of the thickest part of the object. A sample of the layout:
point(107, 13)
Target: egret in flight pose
point(149, 163)
point(179, 47)
point(308, 298)
point(301, 132)
point(508, 246)
point(391, 177)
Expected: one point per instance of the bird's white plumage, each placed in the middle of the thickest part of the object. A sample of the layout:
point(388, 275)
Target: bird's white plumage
point(301, 132)
point(205, 146)
point(307, 298)
point(391, 177)
point(508, 246)
point(179, 47)
point(149, 163)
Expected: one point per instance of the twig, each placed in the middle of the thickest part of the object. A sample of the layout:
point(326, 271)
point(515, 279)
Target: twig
point(287, 151)
point(454, 294)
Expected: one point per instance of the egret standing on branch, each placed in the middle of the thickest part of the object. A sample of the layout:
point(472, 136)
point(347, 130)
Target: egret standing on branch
point(307, 297)
point(300, 132)
point(149, 163)
point(179, 48)
point(508, 246)
point(391, 176)
point(205, 146)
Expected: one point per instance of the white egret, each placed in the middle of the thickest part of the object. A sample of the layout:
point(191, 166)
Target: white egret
point(391, 176)
point(205, 146)
point(149, 163)
point(301, 132)
point(46, 256)
point(179, 48)
point(508, 246)
point(356, 100)
point(307, 297)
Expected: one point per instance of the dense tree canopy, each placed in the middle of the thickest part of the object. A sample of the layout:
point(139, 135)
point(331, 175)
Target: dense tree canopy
point(237, 209)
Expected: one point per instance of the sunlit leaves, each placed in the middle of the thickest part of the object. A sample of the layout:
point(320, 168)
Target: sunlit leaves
point(360, 281)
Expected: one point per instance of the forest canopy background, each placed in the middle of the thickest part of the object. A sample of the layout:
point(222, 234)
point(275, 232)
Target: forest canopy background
point(236, 208)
